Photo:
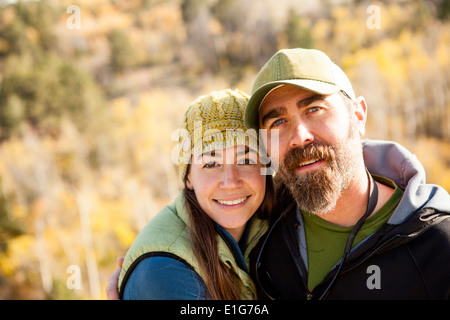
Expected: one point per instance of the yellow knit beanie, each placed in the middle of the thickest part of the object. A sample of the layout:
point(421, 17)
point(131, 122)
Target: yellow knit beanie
point(214, 121)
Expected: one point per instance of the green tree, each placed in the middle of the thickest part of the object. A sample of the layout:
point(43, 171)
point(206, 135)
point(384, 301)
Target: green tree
point(297, 33)
point(32, 28)
point(443, 11)
point(122, 52)
point(230, 13)
point(190, 9)
point(42, 91)
point(9, 228)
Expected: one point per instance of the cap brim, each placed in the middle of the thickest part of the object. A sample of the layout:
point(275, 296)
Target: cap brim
point(251, 118)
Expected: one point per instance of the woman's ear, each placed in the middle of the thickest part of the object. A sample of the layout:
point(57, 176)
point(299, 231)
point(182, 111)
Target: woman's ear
point(188, 182)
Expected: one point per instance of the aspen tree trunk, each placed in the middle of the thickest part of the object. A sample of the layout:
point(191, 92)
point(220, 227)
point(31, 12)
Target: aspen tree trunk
point(143, 208)
point(85, 206)
point(43, 257)
point(172, 180)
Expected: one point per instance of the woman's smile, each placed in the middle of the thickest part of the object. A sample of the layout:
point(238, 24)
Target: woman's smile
point(232, 203)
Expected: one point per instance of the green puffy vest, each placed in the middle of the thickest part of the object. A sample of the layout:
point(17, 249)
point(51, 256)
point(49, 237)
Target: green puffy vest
point(168, 232)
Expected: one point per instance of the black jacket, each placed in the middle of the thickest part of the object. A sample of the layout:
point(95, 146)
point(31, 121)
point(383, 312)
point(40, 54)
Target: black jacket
point(408, 258)
point(412, 261)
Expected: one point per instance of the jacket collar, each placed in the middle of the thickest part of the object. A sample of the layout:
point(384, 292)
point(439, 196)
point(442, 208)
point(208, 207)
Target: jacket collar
point(393, 161)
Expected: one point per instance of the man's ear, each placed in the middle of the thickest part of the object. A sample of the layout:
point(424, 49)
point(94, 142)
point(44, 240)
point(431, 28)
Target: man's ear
point(360, 111)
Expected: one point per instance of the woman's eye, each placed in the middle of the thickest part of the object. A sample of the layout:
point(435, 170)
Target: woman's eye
point(210, 164)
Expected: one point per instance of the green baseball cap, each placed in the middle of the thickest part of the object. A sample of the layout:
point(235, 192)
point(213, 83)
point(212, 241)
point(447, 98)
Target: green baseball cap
point(308, 69)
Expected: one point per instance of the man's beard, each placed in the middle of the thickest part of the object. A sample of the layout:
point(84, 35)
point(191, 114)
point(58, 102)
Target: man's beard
point(318, 191)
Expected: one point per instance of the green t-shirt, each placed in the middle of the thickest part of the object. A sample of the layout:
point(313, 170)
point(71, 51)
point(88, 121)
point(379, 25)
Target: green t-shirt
point(326, 241)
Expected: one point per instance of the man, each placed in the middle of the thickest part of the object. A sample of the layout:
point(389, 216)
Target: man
point(342, 231)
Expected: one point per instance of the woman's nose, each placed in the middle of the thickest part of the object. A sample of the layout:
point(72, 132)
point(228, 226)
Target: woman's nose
point(231, 177)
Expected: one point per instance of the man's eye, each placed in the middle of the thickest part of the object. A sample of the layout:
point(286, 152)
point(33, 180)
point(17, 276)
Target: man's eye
point(313, 109)
point(277, 123)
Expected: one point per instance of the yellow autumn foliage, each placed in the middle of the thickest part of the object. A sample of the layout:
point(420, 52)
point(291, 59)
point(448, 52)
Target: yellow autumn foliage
point(79, 189)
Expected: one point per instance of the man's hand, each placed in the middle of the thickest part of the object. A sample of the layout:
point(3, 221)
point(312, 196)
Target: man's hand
point(112, 292)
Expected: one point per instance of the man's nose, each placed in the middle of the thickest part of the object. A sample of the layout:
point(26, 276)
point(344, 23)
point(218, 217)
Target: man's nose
point(301, 135)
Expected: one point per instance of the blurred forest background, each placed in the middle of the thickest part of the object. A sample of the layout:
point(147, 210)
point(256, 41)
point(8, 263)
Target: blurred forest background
point(86, 114)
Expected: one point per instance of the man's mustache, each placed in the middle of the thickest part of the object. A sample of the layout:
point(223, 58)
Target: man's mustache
point(312, 151)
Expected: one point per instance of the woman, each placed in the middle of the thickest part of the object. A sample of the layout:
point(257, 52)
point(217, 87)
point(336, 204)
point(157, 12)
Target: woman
point(198, 247)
